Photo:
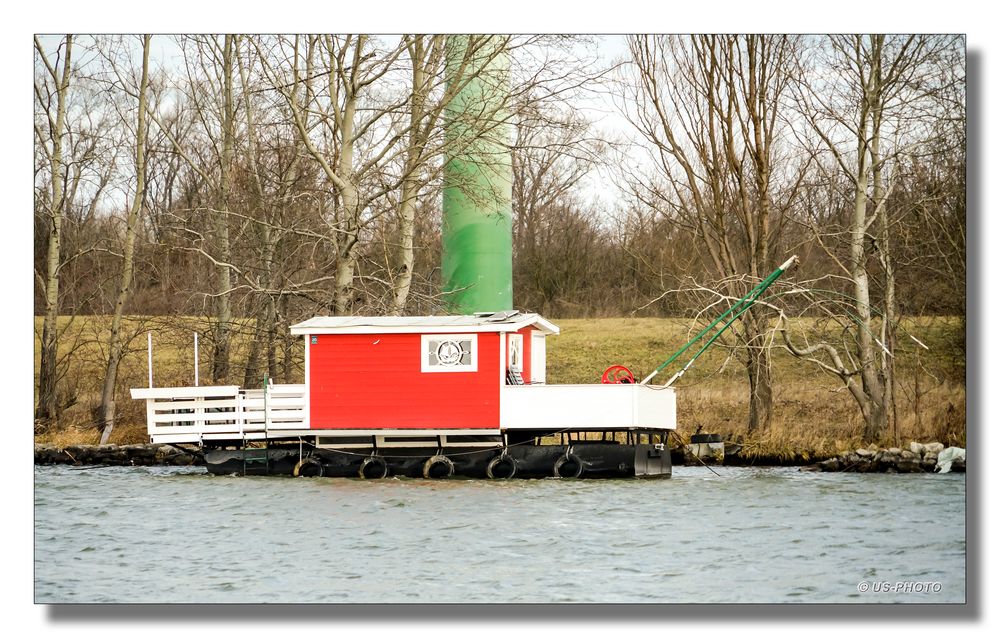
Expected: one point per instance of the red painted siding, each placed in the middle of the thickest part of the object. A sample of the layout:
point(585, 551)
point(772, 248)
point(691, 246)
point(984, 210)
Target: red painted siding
point(526, 355)
point(374, 381)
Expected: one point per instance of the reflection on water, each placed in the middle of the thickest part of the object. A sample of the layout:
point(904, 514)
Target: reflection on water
point(749, 535)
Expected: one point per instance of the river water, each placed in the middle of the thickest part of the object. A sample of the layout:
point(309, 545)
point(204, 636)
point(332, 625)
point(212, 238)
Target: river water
point(748, 535)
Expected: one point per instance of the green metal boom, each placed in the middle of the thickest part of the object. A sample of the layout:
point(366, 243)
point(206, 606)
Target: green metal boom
point(737, 309)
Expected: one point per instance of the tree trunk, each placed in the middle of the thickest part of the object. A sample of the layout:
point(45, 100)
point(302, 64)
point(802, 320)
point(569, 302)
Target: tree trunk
point(223, 281)
point(870, 379)
point(48, 403)
point(758, 366)
point(404, 256)
point(286, 341)
point(263, 340)
point(107, 408)
point(348, 240)
point(408, 194)
point(875, 419)
point(251, 376)
point(880, 197)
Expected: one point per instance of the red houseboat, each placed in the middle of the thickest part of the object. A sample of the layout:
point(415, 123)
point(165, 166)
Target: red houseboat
point(422, 396)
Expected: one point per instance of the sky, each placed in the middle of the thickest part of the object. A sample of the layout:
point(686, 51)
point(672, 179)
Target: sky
point(608, 123)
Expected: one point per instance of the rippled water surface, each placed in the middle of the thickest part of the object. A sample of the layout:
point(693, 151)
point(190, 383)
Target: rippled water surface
point(749, 535)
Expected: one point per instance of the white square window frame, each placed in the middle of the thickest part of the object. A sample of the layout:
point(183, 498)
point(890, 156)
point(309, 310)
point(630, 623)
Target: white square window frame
point(472, 366)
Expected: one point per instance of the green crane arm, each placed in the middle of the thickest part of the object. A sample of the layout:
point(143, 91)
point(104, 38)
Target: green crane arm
point(737, 309)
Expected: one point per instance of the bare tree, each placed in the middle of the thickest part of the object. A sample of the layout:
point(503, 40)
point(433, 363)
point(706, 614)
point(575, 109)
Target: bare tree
point(427, 63)
point(272, 179)
point(223, 307)
point(209, 66)
point(56, 85)
point(708, 108)
point(869, 116)
point(553, 236)
point(331, 128)
point(107, 407)
point(66, 206)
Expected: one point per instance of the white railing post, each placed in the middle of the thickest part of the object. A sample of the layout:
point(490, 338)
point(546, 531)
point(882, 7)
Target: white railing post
point(151, 417)
point(240, 413)
point(196, 358)
point(149, 356)
point(267, 405)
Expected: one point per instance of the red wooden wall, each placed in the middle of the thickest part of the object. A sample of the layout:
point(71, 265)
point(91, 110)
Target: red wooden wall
point(374, 381)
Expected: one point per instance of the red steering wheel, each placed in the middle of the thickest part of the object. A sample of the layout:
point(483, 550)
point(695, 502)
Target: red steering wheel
point(617, 374)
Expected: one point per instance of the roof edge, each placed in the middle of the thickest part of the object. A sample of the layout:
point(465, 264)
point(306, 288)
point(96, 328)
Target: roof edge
point(312, 326)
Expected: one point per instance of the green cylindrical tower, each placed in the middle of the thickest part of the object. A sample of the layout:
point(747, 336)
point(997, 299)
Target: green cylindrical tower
point(476, 221)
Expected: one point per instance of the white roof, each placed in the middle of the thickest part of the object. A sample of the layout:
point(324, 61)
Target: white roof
point(509, 321)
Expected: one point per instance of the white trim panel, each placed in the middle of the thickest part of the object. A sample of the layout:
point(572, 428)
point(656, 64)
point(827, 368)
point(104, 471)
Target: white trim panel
point(305, 394)
point(587, 406)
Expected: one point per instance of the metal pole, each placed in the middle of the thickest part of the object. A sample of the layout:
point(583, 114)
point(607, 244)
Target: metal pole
point(149, 356)
point(196, 358)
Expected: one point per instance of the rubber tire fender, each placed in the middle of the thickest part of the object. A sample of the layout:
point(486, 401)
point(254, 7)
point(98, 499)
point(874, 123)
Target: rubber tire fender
point(564, 460)
point(501, 460)
point(373, 467)
point(308, 462)
point(436, 460)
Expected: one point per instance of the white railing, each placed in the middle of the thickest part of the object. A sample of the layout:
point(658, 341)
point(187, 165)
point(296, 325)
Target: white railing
point(191, 414)
point(587, 406)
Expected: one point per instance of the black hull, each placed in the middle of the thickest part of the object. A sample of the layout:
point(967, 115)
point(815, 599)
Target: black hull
point(580, 460)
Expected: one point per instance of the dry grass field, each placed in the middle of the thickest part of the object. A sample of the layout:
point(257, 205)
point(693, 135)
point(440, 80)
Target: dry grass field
point(813, 413)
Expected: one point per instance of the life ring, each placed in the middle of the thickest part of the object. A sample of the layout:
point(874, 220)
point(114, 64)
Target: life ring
point(568, 465)
point(501, 466)
point(308, 466)
point(373, 467)
point(438, 466)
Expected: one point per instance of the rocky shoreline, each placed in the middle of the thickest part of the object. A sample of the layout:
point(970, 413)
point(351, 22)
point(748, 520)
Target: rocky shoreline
point(148, 454)
point(919, 457)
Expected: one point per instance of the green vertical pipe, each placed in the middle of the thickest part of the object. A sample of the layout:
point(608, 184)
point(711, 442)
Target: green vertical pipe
point(476, 233)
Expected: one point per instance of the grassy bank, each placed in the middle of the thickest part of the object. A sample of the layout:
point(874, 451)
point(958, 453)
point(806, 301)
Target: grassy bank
point(813, 413)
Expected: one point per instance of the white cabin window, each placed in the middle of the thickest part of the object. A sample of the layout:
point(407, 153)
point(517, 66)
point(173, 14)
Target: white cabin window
point(515, 349)
point(449, 353)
